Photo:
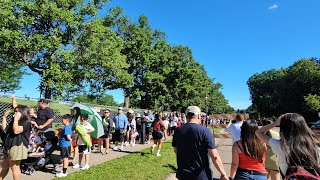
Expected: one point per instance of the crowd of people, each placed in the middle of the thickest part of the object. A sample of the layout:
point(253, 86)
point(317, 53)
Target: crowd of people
point(30, 134)
point(257, 153)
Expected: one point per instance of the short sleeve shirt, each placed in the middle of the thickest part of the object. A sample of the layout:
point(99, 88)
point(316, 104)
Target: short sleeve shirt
point(17, 139)
point(87, 127)
point(63, 142)
point(235, 131)
point(151, 117)
point(43, 116)
point(192, 142)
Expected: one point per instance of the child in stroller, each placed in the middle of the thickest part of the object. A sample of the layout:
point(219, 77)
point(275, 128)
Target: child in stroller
point(39, 160)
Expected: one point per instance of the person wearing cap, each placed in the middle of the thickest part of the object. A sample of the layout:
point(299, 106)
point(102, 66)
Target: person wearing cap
point(132, 125)
point(121, 121)
point(192, 143)
point(44, 115)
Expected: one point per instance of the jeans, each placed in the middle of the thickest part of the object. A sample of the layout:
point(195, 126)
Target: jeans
point(249, 175)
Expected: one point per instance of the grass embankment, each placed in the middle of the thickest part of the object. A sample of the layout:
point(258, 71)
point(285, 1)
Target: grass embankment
point(139, 165)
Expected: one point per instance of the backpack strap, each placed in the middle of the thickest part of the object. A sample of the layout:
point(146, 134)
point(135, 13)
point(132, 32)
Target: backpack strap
point(239, 146)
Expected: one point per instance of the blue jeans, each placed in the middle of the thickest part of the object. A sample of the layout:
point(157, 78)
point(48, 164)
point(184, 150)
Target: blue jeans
point(240, 175)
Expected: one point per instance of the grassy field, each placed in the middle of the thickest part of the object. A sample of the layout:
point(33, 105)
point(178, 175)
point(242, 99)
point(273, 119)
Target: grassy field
point(140, 165)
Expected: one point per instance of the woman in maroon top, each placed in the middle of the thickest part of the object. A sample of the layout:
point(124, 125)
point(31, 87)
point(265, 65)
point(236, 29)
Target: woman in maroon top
point(248, 155)
point(157, 134)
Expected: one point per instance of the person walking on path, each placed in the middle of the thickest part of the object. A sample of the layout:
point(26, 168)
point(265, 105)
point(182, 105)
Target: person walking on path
point(248, 155)
point(192, 143)
point(235, 129)
point(298, 145)
point(121, 122)
point(157, 134)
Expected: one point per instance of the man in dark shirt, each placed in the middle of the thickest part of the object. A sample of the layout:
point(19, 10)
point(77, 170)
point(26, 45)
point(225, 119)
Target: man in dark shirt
point(44, 115)
point(192, 143)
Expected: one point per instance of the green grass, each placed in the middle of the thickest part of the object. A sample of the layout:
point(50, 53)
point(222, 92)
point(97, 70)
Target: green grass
point(140, 165)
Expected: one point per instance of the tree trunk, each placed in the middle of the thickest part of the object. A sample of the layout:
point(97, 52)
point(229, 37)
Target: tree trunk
point(48, 93)
point(127, 98)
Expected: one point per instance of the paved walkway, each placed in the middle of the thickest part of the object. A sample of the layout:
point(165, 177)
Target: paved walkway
point(95, 159)
point(225, 151)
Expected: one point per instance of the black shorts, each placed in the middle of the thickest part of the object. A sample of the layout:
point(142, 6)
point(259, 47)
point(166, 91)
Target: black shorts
point(119, 135)
point(156, 135)
point(149, 130)
point(173, 128)
point(84, 149)
point(108, 135)
point(65, 152)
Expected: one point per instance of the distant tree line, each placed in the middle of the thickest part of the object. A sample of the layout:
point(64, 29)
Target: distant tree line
point(78, 53)
point(292, 89)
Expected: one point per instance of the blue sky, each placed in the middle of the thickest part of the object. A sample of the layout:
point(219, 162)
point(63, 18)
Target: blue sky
point(232, 39)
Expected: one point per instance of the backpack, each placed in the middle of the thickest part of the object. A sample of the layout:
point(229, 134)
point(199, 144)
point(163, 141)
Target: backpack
point(300, 173)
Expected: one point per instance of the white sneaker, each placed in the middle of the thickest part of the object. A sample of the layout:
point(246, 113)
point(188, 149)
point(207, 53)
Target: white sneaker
point(126, 143)
point(158, 155)
point(121, 148)
point(76, 166)
point(61, 174)
point(116, 148)
point(85, 167)
point(148, 142)
point(133, 144)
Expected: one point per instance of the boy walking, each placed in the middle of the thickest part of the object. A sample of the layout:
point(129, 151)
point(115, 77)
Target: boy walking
point(65, 143)
point(84, 142)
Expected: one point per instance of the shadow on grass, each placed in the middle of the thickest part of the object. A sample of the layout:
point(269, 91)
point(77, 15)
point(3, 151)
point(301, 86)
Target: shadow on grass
point(171, 167)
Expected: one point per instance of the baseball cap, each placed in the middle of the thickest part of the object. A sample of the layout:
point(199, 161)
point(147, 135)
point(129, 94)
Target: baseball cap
point(138, 115)
point(130, 111)
point(120, 108)
point(193, 109)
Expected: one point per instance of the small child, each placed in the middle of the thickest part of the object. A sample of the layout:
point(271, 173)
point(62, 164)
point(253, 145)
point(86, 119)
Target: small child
point(83, 141)
point(34, 140)
point(65, 144)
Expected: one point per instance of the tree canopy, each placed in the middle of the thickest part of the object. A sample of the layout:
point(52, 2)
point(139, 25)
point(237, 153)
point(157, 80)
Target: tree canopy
point(292, 89)
point(78, 53)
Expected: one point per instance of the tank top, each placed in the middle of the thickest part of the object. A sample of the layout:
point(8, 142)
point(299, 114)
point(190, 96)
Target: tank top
point(157, 126)
point(249, 163)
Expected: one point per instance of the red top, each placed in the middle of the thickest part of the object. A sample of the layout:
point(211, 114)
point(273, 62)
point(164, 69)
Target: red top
point(178, 124)
point(249, 163)
point(157, 126)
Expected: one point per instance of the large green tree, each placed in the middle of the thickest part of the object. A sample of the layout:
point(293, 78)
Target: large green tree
point(292, 89)
point(44, 36)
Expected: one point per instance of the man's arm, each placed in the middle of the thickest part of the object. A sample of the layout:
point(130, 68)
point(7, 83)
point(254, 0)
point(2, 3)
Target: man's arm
point(217, 163)
point(49, 121)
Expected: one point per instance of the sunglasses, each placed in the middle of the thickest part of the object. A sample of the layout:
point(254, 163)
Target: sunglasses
point(106, 112)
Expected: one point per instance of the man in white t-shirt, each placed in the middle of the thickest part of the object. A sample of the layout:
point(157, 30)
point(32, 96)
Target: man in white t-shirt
point(235, 129)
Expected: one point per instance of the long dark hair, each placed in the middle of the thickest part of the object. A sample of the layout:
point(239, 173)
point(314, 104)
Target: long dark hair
point(299, 142)
point(252, 146)
point(25, 113)
point(78, 112)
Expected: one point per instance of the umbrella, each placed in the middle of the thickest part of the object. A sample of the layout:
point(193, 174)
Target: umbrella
point(94, 119)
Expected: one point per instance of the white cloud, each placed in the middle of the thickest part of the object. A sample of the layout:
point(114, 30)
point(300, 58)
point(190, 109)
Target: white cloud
point(273, 7)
